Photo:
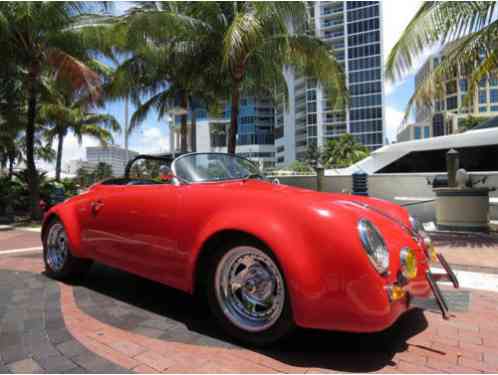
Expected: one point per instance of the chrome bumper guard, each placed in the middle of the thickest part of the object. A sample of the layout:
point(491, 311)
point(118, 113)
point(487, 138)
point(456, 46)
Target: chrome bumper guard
point(432, 280)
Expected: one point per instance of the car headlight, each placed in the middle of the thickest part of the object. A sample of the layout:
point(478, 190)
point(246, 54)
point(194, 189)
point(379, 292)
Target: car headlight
point(374, 245)
point(408, 262)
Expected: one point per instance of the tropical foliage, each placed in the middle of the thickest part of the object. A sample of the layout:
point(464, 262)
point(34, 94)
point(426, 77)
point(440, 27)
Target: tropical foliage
point(212, 51)
point(167, 57)
point(85, 177)
point(40, 40)
point(468, 32)
point(339, 152)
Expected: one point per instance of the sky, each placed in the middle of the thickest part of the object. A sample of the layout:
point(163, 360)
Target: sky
point(153, 134)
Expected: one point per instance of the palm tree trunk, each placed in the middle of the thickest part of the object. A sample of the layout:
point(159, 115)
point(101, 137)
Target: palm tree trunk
point(193, 131)
point(58, 165)
point(234, 118)
point(32, 174)
point(183, 127)
point(11, 167)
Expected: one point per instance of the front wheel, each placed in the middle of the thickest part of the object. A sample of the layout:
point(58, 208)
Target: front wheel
point(247, 294)
point(60, 263)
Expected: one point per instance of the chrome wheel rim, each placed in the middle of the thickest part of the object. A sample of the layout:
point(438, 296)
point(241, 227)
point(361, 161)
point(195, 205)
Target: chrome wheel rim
point(250, 288)
point(57, 247)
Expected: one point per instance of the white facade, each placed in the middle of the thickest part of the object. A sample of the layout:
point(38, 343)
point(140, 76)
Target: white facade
point(410, 132)
point(353, 31)
point(445, 110)
point(115, 156)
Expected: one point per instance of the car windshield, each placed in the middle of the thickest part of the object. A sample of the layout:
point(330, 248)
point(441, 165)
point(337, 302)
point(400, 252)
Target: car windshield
point(204, 167)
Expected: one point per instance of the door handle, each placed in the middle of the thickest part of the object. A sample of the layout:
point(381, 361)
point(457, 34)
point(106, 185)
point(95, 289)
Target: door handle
point(96, 206)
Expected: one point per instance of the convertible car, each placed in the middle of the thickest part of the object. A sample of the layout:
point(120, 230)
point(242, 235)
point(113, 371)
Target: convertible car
point(267, 257)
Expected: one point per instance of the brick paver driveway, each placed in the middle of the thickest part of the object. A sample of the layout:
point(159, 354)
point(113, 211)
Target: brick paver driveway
point(116, 322)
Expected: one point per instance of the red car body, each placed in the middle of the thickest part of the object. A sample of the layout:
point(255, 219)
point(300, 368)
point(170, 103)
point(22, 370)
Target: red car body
point(161, 231)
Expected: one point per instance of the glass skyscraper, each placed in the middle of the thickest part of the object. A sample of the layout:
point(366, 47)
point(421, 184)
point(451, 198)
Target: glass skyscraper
point(353, 31)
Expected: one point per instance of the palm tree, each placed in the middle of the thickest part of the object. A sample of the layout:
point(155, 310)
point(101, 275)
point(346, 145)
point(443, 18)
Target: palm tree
point(469, 32)
point(64, 113)
point(239, 46)
point(173, 63)
point(343, 152)
point(260, 39)
point(40, 38)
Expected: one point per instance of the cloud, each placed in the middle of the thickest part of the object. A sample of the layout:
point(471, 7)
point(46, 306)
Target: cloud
point(151, 140)
point(72, 150)
point(393, 121)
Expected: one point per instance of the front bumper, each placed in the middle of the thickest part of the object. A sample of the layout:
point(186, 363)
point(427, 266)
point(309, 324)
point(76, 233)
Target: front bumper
point(448, 276)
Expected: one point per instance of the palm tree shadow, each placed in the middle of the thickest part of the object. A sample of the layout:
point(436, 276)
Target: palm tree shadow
point(338, 351)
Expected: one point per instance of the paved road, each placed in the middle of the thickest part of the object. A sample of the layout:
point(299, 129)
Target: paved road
point(112, 321)
point(19, 239)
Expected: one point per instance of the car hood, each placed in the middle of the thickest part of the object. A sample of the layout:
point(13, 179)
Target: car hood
point(388, 210)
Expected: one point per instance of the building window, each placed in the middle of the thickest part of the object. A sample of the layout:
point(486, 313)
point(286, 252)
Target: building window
point(312, 119)
point(427, 132)
point(312, 107)
point(482, 109)
point(493, 95)
point(418, 132)
point(311, 95)
point(482, 97)
point(451, 103)
point(463, 85)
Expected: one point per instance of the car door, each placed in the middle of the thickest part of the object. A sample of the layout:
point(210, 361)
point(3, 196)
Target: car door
point(136, 227)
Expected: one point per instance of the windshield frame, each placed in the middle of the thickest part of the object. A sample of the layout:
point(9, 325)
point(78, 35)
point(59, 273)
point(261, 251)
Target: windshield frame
point(184, 181)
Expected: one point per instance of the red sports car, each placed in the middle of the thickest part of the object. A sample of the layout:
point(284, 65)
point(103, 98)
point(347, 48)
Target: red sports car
point(267, 257)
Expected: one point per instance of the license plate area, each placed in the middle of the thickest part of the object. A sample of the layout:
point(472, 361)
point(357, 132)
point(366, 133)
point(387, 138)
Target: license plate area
point(438, 295)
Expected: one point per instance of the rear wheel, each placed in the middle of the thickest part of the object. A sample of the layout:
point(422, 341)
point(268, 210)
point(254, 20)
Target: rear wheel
point(247, 294)
point(60, 263)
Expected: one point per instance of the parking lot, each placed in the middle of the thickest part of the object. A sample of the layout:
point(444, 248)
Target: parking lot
point(116, 322)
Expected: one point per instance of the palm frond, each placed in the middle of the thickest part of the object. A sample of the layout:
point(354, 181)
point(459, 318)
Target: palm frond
point(436, 22)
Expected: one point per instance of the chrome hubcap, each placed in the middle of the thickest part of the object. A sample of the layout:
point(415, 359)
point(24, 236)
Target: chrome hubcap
point(250, 288)
point(57, 247)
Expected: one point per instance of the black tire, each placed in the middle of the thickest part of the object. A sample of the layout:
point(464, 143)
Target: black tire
point(280, 329)
point(73, 268)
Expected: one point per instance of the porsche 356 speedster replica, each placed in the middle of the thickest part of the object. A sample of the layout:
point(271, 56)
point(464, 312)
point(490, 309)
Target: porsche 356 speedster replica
point(267, 257)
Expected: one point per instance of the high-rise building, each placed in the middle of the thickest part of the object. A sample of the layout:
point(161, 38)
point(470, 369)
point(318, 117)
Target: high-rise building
point(446, 109)
point(255, 138)
point(115, 156)
point(354, 32)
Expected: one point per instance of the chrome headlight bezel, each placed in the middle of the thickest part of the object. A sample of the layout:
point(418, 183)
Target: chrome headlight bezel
point(374, 245)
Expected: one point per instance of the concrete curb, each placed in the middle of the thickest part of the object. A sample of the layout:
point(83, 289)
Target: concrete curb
point(5, 227)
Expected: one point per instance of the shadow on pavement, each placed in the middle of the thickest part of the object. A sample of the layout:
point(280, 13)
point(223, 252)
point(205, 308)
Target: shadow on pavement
point(305, 348)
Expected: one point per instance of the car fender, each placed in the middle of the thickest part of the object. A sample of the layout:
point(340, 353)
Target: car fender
point(282, 236)
point(66, 213)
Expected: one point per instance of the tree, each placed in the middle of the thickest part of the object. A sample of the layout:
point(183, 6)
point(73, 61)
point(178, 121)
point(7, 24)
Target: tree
point(300, 167)
point(469, 122)
point(65, 113)
point(238, 46)
point(469, 32)
point(102, 171)
point(171, 62)
point(343, 152)
point(40, 39)
point(258, 43)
